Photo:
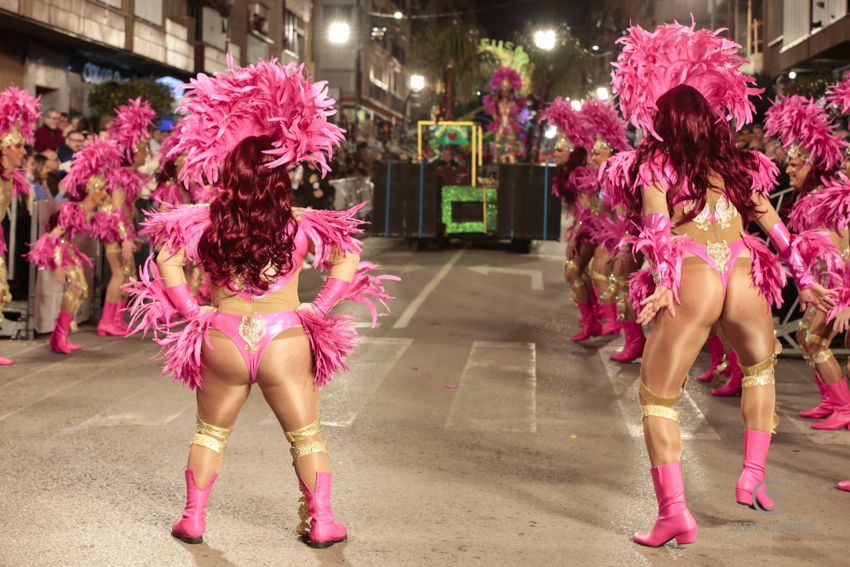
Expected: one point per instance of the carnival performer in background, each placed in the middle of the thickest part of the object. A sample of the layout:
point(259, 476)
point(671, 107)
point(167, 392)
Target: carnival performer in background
point(18, 115)
point(814, 156)
point(505, 105)
point(252, 242)
point(605, 226)
point(695, 192)
point(57, 250)
point(129, 132)
point(575, 184)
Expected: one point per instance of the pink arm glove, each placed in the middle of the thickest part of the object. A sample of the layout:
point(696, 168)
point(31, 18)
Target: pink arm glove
point(183, 300)
point(332, 292)
point(781, 240)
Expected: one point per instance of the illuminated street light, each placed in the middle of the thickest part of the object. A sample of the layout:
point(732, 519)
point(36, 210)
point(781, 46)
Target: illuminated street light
point(339, 33)
point(545, 39)
point(602, 93)
point(575, 105)
point(595, 48)
point(792, 75)
point(398, 15)
point(551, 131)
point(416, 83)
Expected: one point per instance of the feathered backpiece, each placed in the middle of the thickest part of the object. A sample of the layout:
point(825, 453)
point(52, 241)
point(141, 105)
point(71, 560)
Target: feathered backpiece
point(96, 157)
point(607, 123)
point(571, 123)
point(263, 99)
point(18, 114)
point(800, 123)
point(165, 154)
point(132, 125)
point(839, 96)
point(505, 77)
point(652, 63)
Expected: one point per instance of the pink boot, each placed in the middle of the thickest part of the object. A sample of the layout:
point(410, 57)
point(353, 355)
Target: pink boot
point(589, 325)
point(843, 485)
point(107, 321)
point(608, 314)
point(839, 395)
point(732, 387)
point(120, 322)
point(6, 362)
point(717, 352)
point(674, 518)
point(190, 528)
point(59, 339)
point(756, 444)
point(635, 341)
point(824, 408)
point(324, 530)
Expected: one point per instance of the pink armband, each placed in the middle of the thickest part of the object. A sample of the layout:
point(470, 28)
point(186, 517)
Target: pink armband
point(664, 270)
point(781, 240)
point(183, 300)
point(332, 292)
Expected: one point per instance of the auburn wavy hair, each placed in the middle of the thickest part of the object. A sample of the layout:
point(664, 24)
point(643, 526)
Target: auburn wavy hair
point(697, 144)
point(251, 225)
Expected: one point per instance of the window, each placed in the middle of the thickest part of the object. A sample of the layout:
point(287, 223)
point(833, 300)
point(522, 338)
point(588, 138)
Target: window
point(258, 18)
point(150, 10)
point(294, 32)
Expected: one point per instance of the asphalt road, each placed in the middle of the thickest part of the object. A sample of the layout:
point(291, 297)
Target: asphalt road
point(469, 431)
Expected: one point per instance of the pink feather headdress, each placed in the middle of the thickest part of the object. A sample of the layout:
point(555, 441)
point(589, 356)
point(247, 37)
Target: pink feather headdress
point(132, 125)
point(96, 157)
point(652, 63)
point(168, 144)
point(263, 99)
point(839, 96)
point(571, 123)
point(607, 123)
point(505, 77)
point(19, 112)
point(797, 120)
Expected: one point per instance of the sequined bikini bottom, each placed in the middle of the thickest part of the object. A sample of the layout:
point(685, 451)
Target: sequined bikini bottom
point(252, 333)
point(720, 256)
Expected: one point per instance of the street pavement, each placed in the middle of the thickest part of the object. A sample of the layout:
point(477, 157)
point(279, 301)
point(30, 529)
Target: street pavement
point(469, 431)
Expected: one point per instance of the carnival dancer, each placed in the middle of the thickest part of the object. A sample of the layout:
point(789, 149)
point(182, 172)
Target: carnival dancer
point(575, 183)
point(505, 106)
point(814, 156)
point(253, 242)
point(18, 115)
point(693, 189)
point(129, 132)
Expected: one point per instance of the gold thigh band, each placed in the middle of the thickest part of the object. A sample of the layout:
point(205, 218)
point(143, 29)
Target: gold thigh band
point(659, 406)
point(212, 437)
point(817, 340)
point(302, 433)
point(822, 356)
point(761, 374)
point(660, 411)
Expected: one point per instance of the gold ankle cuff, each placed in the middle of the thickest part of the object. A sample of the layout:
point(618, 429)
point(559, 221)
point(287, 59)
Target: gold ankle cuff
point(299, 451)
point(310, 430)
point(212, 437)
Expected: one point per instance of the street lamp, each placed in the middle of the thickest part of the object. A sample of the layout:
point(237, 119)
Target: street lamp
point(398, 15)
point(551, 131)
point(339, 33)
point(602, 93)
point(575, 105)
point(595, 48)
point(792, 75)
point(416, 82)
point(545, 39)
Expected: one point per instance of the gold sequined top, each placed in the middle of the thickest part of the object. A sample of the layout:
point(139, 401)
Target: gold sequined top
point(719, 221)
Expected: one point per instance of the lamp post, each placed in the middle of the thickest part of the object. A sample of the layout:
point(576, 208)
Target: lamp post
point(416, 83)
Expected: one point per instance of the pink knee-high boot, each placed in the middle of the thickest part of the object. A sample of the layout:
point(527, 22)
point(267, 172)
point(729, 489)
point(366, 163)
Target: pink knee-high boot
point(59, 339)
point(843, 485)
point(324, 530)
point(756, 444)
point(608, 313)
point(824, 408)
point(674, 518)
point(839, 396)
point(190, 528)
point(589, 325)
point(106, 326)
point(717, 351)
point(120, 322)
point(732, 387)
point(633, 347)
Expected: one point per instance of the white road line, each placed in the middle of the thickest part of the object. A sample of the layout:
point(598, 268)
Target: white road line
point(346, 396)
point(417, 302)
point(497, 390)
point(624, 380)
point(147, 406)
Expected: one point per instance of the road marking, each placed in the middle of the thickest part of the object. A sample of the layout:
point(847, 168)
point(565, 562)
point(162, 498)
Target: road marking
point(497, 390)
point(147, 406)
point(58, 363)
point(536, 275)
point(417, 302)
point(349, 392)
point(624, 378)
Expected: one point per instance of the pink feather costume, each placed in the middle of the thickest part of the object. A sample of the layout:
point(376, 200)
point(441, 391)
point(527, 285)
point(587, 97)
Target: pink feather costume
point(504, 105)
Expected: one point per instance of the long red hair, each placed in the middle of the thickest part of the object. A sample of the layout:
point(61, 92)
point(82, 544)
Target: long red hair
point(251, 226)
point(697, 144)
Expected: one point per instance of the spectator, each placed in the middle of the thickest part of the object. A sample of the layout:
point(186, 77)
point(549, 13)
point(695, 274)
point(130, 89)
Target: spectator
point(48, 136)
point(73, 142)
point(53, 173)
point(41, 176)
point(64, 123)
point(318, 193)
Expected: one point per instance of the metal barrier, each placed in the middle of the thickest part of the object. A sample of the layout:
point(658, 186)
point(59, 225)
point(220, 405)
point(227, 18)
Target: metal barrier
point(351, 191)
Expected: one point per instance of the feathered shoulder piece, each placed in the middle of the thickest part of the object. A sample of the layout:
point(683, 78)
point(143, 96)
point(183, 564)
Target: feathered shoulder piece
point(838, 96)
point(652, 63)
point(263, 99)
point(330, 230)
point(571, 123)
point(20, 184)
point(607, 123)
point(178, 227)
point(165, 154)
point(19, 112)
point(97, 157)
point(615, 177)
point(799, 121)
point(828, 207)
point(764, 175)
point(132, 125)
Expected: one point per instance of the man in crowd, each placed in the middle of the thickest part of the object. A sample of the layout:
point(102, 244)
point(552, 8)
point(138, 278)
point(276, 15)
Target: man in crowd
point(48, 136)
point(73, 142)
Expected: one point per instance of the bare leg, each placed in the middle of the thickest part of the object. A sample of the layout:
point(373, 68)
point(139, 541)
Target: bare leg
point(117, 277)
point(574, 271)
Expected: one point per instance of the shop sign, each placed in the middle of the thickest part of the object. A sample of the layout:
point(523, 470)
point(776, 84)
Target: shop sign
point(94, 74)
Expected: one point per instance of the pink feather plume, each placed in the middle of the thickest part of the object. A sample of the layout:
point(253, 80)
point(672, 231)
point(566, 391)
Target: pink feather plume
point(799, 120)
point(615, 177)
point(180, 227)
point(767, 273)
point(332, 340)
point(18, 111)
point(96, 157)
point(329, 230)
point(132, 125)
point(571, 123)
point(607, 123)
point(839, 96)
point(20, 185)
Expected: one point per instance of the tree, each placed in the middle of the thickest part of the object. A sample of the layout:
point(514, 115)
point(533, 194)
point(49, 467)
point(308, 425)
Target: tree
point(105, 97)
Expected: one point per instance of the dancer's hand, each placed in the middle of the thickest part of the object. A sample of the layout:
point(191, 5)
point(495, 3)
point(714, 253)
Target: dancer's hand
point(60, 274)
point(660, 300)
point(842, 322)
point(571, 249)
point(818, 297)
point(127, 250)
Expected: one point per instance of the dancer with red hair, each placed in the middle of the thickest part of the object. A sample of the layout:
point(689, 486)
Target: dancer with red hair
point(694, 192)
point(253, 242)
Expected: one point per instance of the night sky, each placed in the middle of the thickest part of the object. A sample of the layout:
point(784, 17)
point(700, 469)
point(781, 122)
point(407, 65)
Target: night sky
point(503, 22)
